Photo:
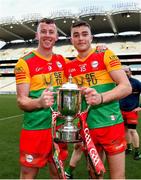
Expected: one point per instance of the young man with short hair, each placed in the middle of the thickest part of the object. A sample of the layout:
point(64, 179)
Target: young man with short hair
point(105, 81)
point(36, 73)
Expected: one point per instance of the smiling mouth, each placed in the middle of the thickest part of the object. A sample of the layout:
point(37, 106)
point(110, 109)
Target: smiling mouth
point(47, 41)
point(81, 44)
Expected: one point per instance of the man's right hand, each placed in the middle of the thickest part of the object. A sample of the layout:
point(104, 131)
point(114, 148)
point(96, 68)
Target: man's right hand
point(47, 99)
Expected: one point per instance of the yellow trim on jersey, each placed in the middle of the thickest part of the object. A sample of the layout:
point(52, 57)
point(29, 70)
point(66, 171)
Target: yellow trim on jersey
point(83, 59)
point(42, 81)
point(67, 60)
point(22, 72)
point(111, 61)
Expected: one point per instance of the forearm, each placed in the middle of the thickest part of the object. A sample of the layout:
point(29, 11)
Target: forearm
point(28, 104)
point(117, 93)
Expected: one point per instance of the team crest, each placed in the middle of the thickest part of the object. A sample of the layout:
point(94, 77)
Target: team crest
point(59, 64)
point(94, 64)
point(29, 158)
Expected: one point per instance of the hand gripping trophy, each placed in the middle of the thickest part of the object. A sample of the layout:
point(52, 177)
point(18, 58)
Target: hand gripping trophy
point(69, 108)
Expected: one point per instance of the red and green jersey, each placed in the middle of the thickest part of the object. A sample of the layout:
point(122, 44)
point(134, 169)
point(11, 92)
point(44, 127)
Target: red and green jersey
point(40, 73)
point(93, 71)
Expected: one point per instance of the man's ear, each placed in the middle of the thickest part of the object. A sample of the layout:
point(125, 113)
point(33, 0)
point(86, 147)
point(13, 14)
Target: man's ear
point(71, 40)
point(36, 36)
point(57, 37)
point(91, 38)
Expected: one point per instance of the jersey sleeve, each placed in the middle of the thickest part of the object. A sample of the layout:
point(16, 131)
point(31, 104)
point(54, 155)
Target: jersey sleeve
point(111, 61)
point(22, 72)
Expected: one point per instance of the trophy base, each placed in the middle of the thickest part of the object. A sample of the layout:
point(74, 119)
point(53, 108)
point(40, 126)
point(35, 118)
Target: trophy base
point(57, 140)
point(68, 134)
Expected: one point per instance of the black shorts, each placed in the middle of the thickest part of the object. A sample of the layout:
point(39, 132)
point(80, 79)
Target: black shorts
point(131, 126)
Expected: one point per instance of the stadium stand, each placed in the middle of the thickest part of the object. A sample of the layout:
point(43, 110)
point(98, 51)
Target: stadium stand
point(111, 28)
point(7, 85)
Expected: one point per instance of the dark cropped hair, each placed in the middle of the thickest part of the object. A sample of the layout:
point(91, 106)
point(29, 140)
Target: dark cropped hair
point(46, 20)
point(80, 23)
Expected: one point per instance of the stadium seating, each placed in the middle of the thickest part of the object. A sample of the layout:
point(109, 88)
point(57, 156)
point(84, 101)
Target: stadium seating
point(125, 48)
point(7, 85)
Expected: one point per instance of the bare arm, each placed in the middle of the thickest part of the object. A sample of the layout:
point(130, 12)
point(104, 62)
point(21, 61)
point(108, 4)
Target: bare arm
point(122, 90)
point(137, 109)
point(28, 104)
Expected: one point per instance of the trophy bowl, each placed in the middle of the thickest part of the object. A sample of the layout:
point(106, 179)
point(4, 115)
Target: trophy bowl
point(69, 101)
point(69, 105)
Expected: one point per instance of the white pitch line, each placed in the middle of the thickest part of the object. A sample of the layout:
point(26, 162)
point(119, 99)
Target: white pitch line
point(2, 119)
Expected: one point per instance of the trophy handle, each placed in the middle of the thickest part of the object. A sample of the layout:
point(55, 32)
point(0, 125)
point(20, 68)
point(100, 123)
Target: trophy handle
point(51, 89)
point(88, 108)
point(51, 109)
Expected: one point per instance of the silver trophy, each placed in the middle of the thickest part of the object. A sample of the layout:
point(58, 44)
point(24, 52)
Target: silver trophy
point(69, 105)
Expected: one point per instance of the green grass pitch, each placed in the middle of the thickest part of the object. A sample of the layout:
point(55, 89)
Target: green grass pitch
point(10, 126)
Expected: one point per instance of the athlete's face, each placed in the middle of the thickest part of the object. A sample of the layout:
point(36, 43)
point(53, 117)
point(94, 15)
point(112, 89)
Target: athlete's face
point(81, 38)
point(46, 35)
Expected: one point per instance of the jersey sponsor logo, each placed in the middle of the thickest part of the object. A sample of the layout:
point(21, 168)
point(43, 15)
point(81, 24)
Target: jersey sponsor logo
point(47, 80)
point(38, 69)
point(59, 64)
point(83, 67)
point(94, 64)
point(51, 79)
point(113, 57)
point(19, 69)
point(88, 78)
point(91, 79)
point(20, 73)
point(79, 81)
point(72, 70)
point(58, 78)
point(29, 158)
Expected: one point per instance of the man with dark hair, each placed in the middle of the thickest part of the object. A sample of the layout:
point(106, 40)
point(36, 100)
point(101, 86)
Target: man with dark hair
point(130, 107)
point(105, 81)
point(37, 73)
point(80, 23)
